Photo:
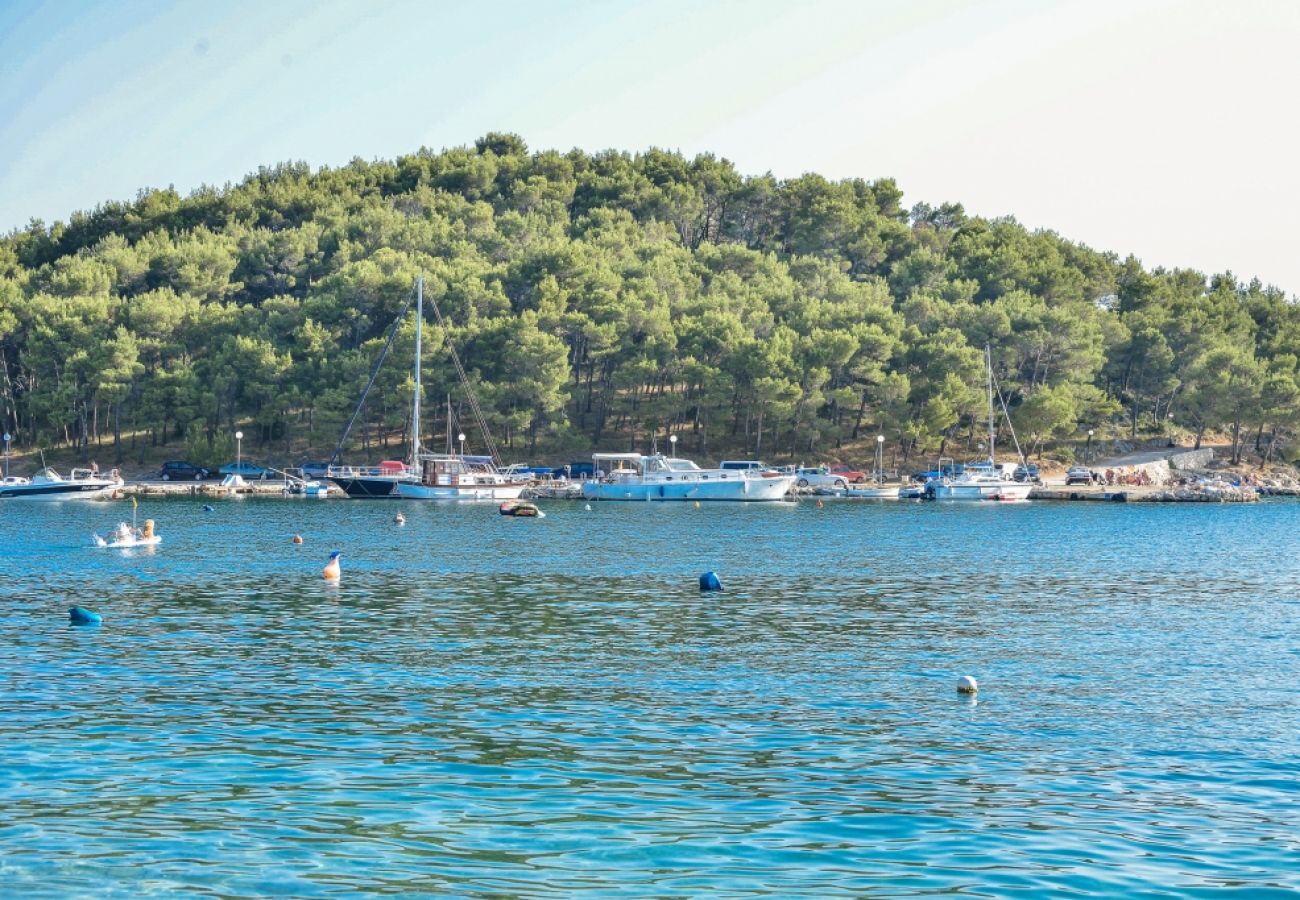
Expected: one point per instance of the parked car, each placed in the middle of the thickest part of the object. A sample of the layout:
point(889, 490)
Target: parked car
point(314, 469)
point(245, 469)
point(820, 477)
point(1026, 473)
point(1078, 475)
point(852, 475)
point(947, 471)
point(179, 470)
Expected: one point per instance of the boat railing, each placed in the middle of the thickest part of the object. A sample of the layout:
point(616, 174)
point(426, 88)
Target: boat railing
point(364, 471)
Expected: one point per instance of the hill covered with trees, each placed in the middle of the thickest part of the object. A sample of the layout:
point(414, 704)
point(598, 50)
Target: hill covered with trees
point(605, 301)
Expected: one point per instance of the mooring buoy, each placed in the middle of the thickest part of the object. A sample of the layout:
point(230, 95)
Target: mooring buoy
point(81, 616)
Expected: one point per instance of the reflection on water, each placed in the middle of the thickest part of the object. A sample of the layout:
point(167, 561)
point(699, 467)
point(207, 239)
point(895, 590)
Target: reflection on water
point(489, 705)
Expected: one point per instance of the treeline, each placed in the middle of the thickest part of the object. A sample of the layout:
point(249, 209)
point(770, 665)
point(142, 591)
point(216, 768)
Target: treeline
point(606, 301)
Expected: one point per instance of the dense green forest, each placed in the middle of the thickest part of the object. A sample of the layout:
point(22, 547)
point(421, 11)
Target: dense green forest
point(606, 301)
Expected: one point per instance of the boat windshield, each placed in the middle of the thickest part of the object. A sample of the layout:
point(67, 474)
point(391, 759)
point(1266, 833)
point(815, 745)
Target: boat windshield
point(681, 465)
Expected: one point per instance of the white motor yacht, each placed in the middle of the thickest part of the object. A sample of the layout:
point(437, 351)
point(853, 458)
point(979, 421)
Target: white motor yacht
point(632, 476)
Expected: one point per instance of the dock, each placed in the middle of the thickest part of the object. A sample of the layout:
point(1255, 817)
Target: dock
point(271, 487)
point(1148, 494)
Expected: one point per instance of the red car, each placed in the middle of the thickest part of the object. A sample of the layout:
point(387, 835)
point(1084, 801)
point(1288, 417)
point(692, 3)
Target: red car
point(850, 475)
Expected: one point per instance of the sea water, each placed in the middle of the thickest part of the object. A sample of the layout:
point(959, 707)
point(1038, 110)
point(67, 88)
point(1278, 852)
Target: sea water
point(486, 705)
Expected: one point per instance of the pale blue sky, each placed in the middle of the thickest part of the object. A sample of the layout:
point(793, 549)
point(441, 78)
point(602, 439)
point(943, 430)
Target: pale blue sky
point(1162, 128)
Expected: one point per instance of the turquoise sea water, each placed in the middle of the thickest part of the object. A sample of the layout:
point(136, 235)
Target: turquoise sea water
point(488, 706)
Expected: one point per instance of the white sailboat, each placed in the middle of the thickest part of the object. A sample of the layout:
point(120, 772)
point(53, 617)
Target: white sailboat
point(431, 476)
point(983, 481)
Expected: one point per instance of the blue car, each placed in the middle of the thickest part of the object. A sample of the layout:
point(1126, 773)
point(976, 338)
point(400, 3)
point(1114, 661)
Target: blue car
point(246, 470)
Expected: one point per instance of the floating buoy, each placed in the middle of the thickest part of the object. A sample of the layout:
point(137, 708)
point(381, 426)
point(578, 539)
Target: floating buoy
point(399, 519)
point(697, 504)
point(587, 507)
point(820, 504)
point(297, 538)
point(80, 616)
point(332, 569)
point(709, 582)
point(967, 685)
point(207, 508)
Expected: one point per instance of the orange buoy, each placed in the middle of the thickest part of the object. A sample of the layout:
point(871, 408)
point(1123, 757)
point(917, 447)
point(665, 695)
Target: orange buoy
point(332, 569)
point(819, 504)
point(297, 538)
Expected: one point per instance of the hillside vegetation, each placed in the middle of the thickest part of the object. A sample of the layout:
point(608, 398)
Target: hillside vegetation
point(606, 301)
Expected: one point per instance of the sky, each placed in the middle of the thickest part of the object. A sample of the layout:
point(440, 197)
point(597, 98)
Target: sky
point(1164, 129)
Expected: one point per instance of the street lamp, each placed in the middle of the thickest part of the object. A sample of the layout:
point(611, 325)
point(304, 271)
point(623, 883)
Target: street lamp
point(672, 441)
point(1090, 443)
point(461, 437)
point(8, 437)
point(239, 449)
point(880, 458)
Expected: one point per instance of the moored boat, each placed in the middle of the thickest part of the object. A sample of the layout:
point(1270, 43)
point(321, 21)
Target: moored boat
point(867, 492)
point(81, 484)
point(984, 480)
point(429, 476)
point(632, 476)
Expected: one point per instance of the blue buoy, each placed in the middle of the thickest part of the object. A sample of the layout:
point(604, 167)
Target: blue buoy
point(709, 582)
point(81, 616)
point(207, 508)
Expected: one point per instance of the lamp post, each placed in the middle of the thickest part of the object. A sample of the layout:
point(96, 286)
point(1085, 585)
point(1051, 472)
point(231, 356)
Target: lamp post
point(880, 458)
point(672, 442)
point(239, 450)
point(8, 437)
point(1089, 451)
point(461, 437)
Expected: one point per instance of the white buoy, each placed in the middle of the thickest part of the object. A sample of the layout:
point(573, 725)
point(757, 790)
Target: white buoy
point(967, 685)
point(587, 507)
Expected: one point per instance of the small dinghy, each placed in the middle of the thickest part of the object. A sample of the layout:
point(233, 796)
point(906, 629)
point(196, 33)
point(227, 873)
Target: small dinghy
point(127, 536)
point(522, 509)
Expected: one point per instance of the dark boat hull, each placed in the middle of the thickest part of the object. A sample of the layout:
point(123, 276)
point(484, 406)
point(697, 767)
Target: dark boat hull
point(364, 487)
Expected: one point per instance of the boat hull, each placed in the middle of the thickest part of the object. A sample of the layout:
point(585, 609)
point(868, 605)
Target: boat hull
point(748, 490)
point(61, 491)
point(415, 491)
point(1009, 491)
point(868, 493)
point(367, 488)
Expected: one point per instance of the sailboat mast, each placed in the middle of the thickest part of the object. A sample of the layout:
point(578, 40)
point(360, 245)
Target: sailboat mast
point(988, 359)
point(415, 403)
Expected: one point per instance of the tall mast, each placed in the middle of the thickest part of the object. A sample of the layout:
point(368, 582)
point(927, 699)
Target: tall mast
point(415, 404)
point(988, 359)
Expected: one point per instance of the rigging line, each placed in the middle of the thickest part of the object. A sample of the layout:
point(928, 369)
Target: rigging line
point(998, 389)
point(374, 373)
point(464, 380)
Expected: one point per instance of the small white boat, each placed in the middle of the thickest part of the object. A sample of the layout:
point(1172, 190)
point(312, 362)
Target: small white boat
point(297, 487)
point(129, 536)
point(867, 492)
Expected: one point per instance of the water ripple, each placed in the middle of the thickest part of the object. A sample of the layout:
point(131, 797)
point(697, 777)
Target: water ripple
point(492, 707)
